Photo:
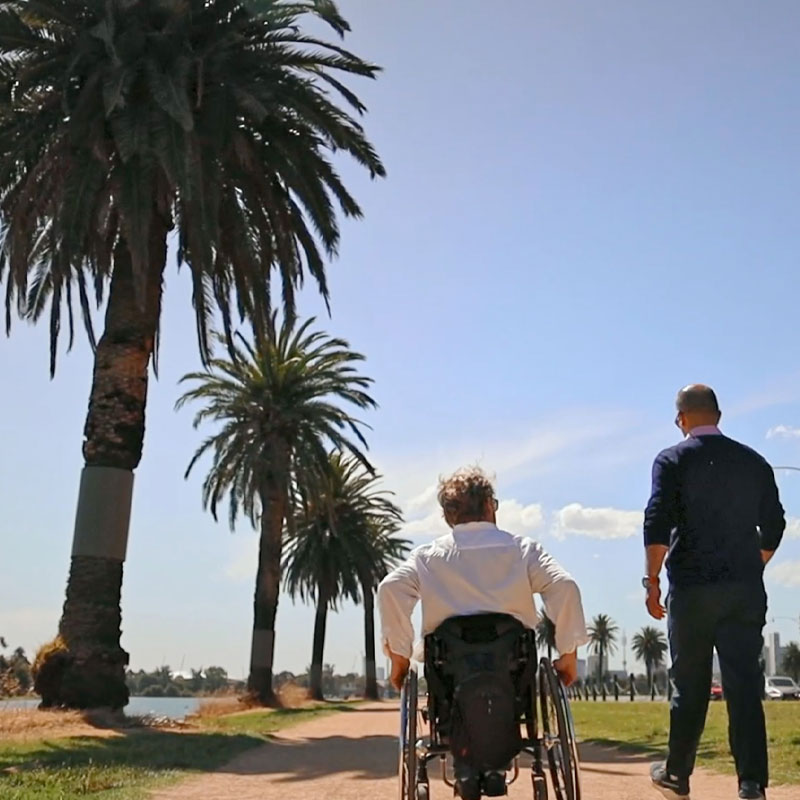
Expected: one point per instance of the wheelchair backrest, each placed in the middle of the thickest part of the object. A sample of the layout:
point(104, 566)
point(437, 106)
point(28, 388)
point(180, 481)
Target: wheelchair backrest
point(480, 668)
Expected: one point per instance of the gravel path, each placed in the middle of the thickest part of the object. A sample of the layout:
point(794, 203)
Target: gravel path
point(353, 756)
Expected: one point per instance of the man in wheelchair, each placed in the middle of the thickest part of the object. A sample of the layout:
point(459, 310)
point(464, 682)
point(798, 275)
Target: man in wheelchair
point(476, 586)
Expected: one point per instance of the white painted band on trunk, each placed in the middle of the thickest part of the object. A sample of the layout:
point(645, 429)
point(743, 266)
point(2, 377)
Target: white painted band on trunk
point(104, 513)
point(261, 653)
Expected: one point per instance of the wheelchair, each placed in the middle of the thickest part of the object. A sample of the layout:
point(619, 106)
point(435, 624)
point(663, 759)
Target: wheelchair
point(539, 700)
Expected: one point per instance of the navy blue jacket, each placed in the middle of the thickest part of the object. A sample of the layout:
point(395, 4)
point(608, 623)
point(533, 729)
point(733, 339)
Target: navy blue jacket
point(715, 504)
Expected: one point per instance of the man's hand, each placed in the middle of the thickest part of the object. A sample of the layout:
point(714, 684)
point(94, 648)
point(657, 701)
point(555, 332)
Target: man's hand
point(400, 666)
point(766, 555)
point(654, 607)
point(567, 667)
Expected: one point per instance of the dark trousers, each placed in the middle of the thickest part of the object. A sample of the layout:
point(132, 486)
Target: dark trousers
point(730, 617)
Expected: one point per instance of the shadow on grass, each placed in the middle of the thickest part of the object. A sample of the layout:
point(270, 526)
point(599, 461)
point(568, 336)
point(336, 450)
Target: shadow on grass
point(152, 750)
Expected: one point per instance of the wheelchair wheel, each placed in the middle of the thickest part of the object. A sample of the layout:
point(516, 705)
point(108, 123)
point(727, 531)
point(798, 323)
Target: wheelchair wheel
point(408, 739)
point(558, 734)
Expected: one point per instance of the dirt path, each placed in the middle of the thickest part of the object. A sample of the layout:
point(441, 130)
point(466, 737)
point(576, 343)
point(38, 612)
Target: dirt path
point(354, 757)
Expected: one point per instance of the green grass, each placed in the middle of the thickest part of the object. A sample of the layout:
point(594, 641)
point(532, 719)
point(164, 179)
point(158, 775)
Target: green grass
point(125, 767)
point(645, 726)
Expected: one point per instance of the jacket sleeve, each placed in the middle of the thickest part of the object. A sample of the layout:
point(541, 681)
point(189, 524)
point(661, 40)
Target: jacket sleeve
point(659, 516)
point(398, 593)
point(772, 521)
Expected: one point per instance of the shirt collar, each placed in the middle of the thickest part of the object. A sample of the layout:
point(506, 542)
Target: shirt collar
point(705, 430)
point(474, 527)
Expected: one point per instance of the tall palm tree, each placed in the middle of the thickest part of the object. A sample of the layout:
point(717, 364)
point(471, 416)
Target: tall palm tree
point(338, 549)
point(279, 407)
point(383, 551)
point(120, 122)
point(546, 635)
point(791, 660)
point(650, 646)
point(602, 639)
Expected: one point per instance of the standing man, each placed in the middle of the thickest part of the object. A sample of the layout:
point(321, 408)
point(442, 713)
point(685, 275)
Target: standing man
point(715, 515)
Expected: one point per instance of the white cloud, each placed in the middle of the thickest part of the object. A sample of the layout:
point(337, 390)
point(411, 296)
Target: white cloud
point(792, 528)
point(514, 517)
point(597, 523)
point(783, 432)
point(425, 528)
point(786, 574)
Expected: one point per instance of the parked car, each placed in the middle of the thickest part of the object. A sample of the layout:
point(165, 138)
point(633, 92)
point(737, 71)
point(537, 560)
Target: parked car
point(780, 687)
point(716, 690)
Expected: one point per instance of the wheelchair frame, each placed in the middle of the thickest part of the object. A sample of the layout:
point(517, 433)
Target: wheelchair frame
point(556, 746)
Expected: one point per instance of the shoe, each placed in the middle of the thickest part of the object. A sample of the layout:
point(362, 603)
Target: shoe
point(671, 787)
point(467, 783)
point(750, 790)
point(494, 784)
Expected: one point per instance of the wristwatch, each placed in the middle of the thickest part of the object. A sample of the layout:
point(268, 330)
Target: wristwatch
point(650, 580)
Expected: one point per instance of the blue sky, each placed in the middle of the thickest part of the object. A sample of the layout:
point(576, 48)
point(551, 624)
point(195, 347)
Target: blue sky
point(588, 206)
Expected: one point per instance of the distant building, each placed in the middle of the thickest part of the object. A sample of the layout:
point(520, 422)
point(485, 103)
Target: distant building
point(380, 672)
point(582, 668)
point(773, 654)
point(715, 670)
point(592, 662)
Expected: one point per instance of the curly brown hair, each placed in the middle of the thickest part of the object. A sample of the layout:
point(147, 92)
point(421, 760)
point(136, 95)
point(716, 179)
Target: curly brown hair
point(464, 495)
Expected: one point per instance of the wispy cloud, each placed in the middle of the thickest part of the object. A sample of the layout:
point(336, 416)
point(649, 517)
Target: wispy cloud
point(785, 574)
point(783, 432)
point(533, 450)
point(597, 523)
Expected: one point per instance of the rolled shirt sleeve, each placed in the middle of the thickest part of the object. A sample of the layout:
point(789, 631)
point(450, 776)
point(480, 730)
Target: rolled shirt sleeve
point(561, 596)
point(659, 515)
point(398, 594)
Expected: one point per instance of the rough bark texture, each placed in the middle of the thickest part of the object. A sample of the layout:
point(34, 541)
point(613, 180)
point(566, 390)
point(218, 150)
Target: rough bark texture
point(318, 649)
point(91, 672)
point(371, 685)
point(268, 577)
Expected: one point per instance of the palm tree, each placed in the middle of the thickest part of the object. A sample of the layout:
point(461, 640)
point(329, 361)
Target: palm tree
point(120, 122)
point(650, 646)
point(602, 640)
point(791, 660)
point(383, 551)
point(546, 635)
point(279, 407)
point(337, 550)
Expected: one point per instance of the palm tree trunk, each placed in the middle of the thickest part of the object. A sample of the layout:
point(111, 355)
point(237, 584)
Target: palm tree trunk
point(91, 669)
point(371, 679)
point(318, 649)
point(600, 663)
point(268, 582)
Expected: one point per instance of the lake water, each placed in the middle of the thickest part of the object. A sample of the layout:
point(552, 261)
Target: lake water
point(170, 707)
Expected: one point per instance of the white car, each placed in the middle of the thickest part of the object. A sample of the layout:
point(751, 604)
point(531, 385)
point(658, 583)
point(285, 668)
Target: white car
point(779, 687)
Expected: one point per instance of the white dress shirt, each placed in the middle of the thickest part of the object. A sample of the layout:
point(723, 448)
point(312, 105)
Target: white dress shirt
point(477, 569)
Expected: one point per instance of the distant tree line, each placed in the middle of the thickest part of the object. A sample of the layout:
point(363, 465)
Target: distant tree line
point(15, 672)
point(162, 682)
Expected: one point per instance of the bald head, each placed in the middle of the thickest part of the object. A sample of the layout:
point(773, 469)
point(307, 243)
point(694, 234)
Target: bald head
point(697, 405)
point(697, 397)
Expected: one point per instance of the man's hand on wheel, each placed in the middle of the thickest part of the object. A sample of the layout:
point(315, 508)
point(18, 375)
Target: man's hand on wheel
point(567, 667)
point(400, 666)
